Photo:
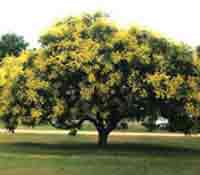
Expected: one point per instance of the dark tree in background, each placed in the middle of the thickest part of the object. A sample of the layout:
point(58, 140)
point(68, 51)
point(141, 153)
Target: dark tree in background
point(11, 44)
point(198, 50)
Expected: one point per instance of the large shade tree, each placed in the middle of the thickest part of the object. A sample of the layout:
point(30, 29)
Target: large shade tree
point(90, 69)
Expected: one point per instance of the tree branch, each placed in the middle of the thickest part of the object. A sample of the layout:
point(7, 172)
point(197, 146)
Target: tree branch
point(112, 125)
point(62, 125)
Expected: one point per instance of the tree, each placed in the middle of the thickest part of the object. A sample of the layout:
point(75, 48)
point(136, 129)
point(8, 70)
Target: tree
point(11, 44)
point(198, 51)
point(89, 69)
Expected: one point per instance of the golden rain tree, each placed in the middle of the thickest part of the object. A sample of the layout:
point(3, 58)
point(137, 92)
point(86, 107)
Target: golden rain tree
point(89, 69)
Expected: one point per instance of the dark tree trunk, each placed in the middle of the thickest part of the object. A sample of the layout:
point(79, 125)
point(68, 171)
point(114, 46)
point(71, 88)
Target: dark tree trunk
point(102, 139)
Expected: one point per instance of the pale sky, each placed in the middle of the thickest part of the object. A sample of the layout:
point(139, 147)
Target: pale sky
point(178, 19)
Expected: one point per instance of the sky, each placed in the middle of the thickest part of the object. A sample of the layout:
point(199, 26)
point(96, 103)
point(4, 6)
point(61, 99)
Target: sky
point(177, 19)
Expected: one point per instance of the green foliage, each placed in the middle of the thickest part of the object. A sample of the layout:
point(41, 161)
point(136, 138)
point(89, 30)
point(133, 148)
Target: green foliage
point(73, 132)
point(149, 124)
point(198, 51)
point(11, 45)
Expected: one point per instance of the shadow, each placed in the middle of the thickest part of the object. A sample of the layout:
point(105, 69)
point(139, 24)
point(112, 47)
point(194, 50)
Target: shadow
point(122, 149)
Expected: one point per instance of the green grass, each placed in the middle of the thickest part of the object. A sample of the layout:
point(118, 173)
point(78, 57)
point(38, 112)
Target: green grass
point(65, 155)
point(133, 127)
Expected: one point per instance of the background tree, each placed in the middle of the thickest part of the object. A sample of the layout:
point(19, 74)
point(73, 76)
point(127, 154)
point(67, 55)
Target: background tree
point(198, 51)
point(89, 69)
point(11, 44)
point(168, 77)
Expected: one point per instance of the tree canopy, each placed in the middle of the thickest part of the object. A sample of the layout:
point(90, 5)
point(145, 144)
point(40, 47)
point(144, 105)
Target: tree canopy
point(11, 45)
point(90, 69)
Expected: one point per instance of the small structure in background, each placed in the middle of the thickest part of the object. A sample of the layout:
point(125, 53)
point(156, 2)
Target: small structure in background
point(162, 123)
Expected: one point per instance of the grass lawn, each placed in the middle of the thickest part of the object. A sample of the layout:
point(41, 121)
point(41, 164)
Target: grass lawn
point(133, 127)
point(68, 155)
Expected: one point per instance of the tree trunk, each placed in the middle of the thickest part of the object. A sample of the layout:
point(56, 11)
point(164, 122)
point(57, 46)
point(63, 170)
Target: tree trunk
point(102, 139)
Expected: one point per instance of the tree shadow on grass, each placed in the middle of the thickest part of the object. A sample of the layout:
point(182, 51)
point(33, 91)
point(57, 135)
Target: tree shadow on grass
point(91, 149)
